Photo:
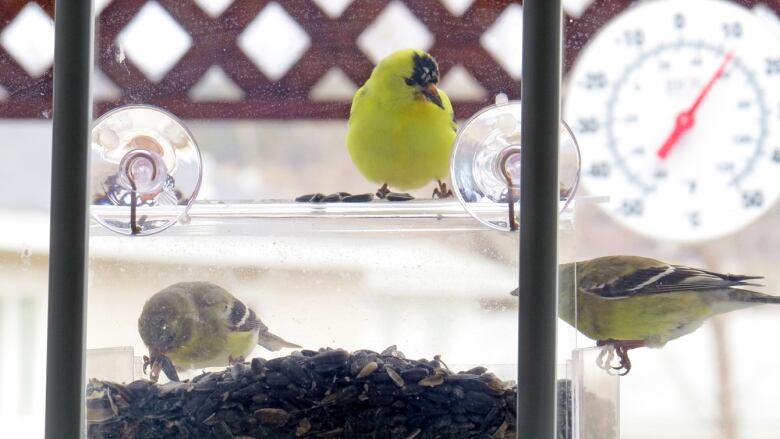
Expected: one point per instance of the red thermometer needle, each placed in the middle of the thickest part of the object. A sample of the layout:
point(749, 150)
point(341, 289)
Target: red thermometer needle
point(685, 119)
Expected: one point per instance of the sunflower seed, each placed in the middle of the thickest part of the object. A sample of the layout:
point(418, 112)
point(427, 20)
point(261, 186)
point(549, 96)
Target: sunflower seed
point(331, 198)
point(310, 394)
point(303, 427)
point(398, 196)
point(310, 198)
point(432, 381)
point(368, 369)
point(272, 416)
point(394, 376)
point(358, 198)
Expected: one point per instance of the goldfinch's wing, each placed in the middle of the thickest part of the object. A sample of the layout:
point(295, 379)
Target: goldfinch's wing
point(273, 342)
point(357, 100)
point(243, 319)
point(666, 278)
point(448, 108)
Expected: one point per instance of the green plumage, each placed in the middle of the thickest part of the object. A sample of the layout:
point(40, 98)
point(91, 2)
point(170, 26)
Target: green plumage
point(199, 324)
point(637, 298)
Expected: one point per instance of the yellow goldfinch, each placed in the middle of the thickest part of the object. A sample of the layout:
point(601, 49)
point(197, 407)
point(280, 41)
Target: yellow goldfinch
point(628, 302)
point(199, 324)
point(401, 127)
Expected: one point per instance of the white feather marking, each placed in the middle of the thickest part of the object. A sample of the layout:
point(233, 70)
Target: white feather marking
point(244, 317)
point(654, 279)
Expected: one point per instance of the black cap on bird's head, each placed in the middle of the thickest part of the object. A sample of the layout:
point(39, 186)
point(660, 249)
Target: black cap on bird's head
point(425, 76)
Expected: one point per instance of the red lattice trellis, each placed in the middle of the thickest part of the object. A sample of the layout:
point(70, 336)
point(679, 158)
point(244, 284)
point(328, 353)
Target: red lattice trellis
point(27, 97)
point(333, 44)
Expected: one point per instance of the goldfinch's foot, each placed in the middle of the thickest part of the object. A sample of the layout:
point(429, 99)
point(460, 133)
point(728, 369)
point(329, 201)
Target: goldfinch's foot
point(605, 357)
point(154, 365)
point(442, 191)
point(160, 363)
point(620, 349)
point(382, 191)
point(625, 362)
point(147, 363)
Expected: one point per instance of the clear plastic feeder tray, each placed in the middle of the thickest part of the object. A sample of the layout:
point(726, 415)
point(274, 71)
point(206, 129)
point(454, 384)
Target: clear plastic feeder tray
point(416, 287)
point(424, 277)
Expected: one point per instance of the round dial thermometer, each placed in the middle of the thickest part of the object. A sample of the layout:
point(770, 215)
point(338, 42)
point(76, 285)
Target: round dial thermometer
point(676, 106)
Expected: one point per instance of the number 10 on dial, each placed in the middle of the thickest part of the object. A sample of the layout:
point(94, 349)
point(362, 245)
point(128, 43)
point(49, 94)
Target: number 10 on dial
point(676, 107)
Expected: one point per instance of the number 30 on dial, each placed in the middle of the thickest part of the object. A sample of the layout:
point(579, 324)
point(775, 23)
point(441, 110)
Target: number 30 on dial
point(676, 107)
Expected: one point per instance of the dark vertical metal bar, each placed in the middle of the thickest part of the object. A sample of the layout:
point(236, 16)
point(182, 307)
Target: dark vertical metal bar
point(68, 221)
point(539, 218)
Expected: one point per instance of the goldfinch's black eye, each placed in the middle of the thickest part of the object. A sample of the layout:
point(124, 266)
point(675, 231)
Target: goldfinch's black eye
point(409, 81)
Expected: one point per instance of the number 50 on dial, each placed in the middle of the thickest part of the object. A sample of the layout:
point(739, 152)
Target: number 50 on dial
point(676, 107)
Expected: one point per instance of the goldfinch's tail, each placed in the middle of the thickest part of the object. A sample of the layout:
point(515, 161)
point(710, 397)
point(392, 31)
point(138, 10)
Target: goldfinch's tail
point(273, 342)
point(739, 295)
point(766, 299)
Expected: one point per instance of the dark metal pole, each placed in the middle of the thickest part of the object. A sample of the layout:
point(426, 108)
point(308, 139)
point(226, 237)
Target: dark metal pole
point(539, 219)
point(68, 236)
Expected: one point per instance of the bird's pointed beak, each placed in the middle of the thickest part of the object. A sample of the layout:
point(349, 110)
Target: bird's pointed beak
point(432, 94)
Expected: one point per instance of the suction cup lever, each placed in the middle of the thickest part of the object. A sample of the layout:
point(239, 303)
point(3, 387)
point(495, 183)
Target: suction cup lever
point(146, 170)
point(485, 165)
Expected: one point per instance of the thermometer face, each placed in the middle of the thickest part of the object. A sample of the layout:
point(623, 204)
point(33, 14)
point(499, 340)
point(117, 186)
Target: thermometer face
point(676, 107)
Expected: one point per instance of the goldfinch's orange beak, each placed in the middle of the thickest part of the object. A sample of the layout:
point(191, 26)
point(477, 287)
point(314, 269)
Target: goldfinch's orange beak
point(432, 94)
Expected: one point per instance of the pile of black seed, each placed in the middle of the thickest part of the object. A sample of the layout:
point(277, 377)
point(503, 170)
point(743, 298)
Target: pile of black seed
point(324, 394)
point(346, 197)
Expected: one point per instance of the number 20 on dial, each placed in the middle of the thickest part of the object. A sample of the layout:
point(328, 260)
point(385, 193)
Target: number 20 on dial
point(676, 107)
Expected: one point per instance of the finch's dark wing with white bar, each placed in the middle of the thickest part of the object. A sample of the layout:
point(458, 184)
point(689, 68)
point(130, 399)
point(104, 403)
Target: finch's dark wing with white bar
point(619, 277)
point(243, 319)
point(665, 279)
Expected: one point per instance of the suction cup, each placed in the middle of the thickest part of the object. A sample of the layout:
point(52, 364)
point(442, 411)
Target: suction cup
point(485, 165)
point(146, 170)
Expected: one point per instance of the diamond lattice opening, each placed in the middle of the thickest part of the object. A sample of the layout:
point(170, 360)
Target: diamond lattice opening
point(334, 8)
point(334, 85)
point(99, 5)
point(216, 86)
point(29, 39)
point(504, 40)
point(274, 41)
point(154, 41)
point(104, 88)
point(383, 36)
point(457, 7)
point(214, 8)
point(576, 8)
point(459, 84)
